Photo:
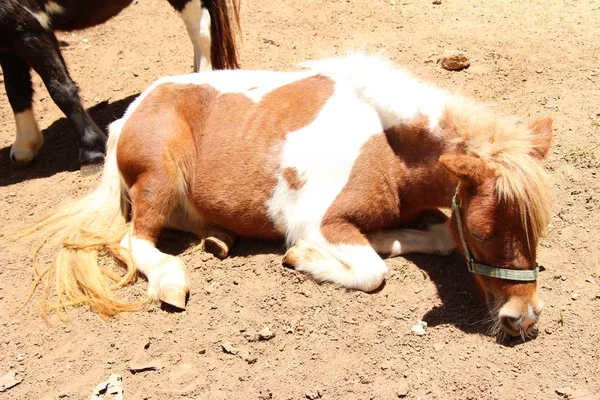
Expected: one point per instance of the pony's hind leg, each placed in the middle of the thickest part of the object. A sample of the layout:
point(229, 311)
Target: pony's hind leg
point(153, 197)
point(339, 254)
point(435, 238)
point(17, 81)
point(166, 276)
point(197, 21)
point(39, 48)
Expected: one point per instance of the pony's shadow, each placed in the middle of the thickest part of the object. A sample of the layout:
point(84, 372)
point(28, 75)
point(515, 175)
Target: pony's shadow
point(461, 305)
point(60, 152)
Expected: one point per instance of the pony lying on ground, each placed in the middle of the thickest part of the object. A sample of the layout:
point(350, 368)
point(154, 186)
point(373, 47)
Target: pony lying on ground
point(27, 41)
point(342, 160)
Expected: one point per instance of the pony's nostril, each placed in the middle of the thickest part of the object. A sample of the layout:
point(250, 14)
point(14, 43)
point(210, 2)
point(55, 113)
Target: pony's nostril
point(510, 324)
point(528, 323)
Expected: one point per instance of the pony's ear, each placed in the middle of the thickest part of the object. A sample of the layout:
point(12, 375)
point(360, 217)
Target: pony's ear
point(468, 169)
point(541, 129)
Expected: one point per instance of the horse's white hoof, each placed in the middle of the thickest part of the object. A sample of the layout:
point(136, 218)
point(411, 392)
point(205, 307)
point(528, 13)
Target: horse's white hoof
point(302, 253)
point(173, 296)
point(22, 157)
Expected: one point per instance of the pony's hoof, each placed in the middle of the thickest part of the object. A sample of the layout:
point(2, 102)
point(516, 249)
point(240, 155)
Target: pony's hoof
point(92, 169)
point(90, 157)
point(292, 255)
point(216, 247)
point(21, 158)
point(173, 296)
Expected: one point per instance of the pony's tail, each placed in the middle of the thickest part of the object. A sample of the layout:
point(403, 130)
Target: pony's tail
point(76, 232)
point(223, 29)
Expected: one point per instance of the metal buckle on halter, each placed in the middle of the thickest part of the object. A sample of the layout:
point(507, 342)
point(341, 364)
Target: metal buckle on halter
point(482, 269)
point(470, 266)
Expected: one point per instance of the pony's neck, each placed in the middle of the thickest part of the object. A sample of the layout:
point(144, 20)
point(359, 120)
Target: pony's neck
point(424, 183)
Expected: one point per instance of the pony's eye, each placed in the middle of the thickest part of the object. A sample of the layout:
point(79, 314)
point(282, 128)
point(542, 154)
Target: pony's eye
point(478, 235)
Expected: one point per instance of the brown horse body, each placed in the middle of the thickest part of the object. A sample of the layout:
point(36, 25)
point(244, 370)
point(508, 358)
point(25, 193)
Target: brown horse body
point(343, 160)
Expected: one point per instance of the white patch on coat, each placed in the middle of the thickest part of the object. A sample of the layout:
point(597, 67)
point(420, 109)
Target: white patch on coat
point(45, 17)
point(197, 21)
point(323, 154)
point(397, 96)
point(53, 8)
point(29, 139)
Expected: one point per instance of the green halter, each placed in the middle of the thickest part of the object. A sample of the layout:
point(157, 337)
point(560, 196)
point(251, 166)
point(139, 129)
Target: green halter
point(481, 269)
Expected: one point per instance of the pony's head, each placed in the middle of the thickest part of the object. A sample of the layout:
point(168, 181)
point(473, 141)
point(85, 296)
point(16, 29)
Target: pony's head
point(503, 207)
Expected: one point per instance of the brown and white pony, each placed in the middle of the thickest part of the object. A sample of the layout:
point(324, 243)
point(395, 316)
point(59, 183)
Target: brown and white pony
point(342, 160)
point(27, 41)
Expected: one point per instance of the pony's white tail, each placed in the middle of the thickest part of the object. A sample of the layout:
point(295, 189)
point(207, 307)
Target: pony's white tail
point(76, 232)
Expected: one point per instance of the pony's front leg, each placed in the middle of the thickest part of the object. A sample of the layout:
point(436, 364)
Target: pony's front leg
point(197, 21)
point(435, 239)
point(17, 81)
point(339, 254)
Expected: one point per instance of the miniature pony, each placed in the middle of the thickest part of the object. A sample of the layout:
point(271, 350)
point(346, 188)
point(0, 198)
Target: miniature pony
point(342, 160)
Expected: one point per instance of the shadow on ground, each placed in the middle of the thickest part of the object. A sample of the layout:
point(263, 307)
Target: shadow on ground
point(60, 151)
point(461, 305)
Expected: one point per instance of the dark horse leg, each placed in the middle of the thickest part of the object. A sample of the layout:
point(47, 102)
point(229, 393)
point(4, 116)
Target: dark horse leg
point(39, 48)
point(17, 81)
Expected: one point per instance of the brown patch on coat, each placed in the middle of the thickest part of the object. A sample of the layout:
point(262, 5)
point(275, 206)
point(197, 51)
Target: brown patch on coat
point(222, 148)
point(155, 155)
point(290, 175)
point(393, 181)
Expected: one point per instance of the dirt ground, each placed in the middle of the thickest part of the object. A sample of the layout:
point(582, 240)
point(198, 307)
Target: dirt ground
point(529, 59)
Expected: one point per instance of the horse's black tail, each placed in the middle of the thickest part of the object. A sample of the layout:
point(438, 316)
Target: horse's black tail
point(225, 22)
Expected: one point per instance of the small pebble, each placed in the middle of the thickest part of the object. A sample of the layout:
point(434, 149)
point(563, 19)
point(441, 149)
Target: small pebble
point(266, 334)
point(591, 280)
point(313, 395)
point(454, 60)
point(229, 348)
point(402, 390)
point(575, 296)
point(418, 330)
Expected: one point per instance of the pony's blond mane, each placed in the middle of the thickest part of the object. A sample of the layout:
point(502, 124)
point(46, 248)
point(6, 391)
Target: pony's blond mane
point(508, 148)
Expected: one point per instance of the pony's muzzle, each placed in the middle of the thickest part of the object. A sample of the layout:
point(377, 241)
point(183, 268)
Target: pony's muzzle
point(517, 323)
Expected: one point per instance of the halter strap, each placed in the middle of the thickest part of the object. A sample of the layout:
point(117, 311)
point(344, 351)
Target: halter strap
point(482, 269)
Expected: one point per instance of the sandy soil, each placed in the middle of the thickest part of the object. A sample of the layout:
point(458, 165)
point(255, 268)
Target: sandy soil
point(529, 59)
